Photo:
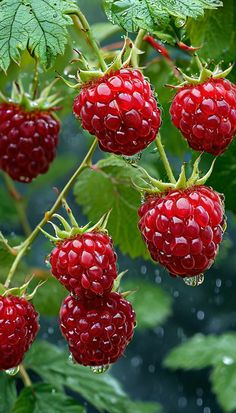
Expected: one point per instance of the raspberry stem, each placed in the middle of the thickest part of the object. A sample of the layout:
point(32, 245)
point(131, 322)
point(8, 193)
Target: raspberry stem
point(137, 46)
point(25, 377)
point(82, 24)
point(19, 204)
point(164, 159)
point(27, 243)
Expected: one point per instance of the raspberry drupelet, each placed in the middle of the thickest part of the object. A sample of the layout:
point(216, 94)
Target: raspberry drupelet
point(18, 329)
point(183, 229)
point(99, 330)
point(206, 114)
point(120, 110)
point(28, 141)
point(85, 264)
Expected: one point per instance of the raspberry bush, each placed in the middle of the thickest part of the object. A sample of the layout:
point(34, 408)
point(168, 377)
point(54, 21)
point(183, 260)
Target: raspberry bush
point(97, 111)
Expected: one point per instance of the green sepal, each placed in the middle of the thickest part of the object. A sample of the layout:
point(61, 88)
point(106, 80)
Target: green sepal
point(204, 75)
point(157, 186)
point(20, 291)
point(45, 101)
point(73, 229)
point(126, 294)
point(116, 286)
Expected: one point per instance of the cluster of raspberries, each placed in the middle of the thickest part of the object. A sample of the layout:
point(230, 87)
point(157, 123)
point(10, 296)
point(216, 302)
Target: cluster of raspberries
point(97, 323)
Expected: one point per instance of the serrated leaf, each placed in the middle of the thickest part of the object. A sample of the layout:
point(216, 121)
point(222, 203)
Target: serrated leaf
point(36, 25)
point(43, 398)
point(207, 32)
point(53, 366)
point(202, 351)
point(151, 303)
point(223, 380)
point(152, 15)
point(7, 392)
point(8, 212)
point(109, 187)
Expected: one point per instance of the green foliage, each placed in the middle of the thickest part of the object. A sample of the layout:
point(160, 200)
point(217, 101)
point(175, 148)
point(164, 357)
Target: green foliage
point(36, 25)
point(43, 398)
point(151, 15)
point(53, 366)
point(224, 172)
point(108, 186)
point(103, 30)
point(218, 352)
point(49, 297)
point(7, 393)
point(207, 32)
point(151, 303)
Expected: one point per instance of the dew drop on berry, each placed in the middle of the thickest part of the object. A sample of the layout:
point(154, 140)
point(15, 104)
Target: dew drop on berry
point(194, 281)
point(99, 369)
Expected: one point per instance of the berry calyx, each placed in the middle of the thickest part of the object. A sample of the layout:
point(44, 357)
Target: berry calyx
point(18, 329)
point(85, 264)
point(183, 229)
point(97, 331)
point(120, 110)
point(205, 114)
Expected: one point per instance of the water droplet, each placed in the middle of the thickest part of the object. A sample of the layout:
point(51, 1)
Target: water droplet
point(194, 281)
point(227, 360)
point(47, 261)
point(13, 371)
point(180, 22)
point(200, 315)
point(71, 359)
point(99, 369)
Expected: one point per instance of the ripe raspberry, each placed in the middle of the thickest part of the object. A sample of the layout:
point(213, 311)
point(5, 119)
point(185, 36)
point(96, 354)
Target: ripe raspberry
point(183, 229)
point(28, 141)
point(85, 264)
point(206, 115)
point(18, 328)
point(98, 331)
point(120, 110)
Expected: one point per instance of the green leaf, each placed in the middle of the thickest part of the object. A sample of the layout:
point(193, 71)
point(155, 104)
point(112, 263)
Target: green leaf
point(223, 380)
point(107, 187)
point(7, 392)
point(216, 32)
point(49, 297)
point(152, 15)
point(224, 171)
point(202, 351)
point(53, 366)
point(104, 30)
point(43, 398)
point(151, 303)
point(36, 25)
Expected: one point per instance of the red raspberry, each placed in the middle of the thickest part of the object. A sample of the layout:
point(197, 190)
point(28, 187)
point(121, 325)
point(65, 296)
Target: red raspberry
point(183, 229)
point(28, 141)
point(206, 115)
point(85, 264)
point(98, 331)
point(120, 110)
point(18, 328)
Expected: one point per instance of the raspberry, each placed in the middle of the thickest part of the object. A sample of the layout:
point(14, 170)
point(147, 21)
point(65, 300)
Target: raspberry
point(85, 264)
point(98, 331)
point(120, 110)
point(28, 141)
point(18, 328)
point(206, 115)
point(183, 229)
